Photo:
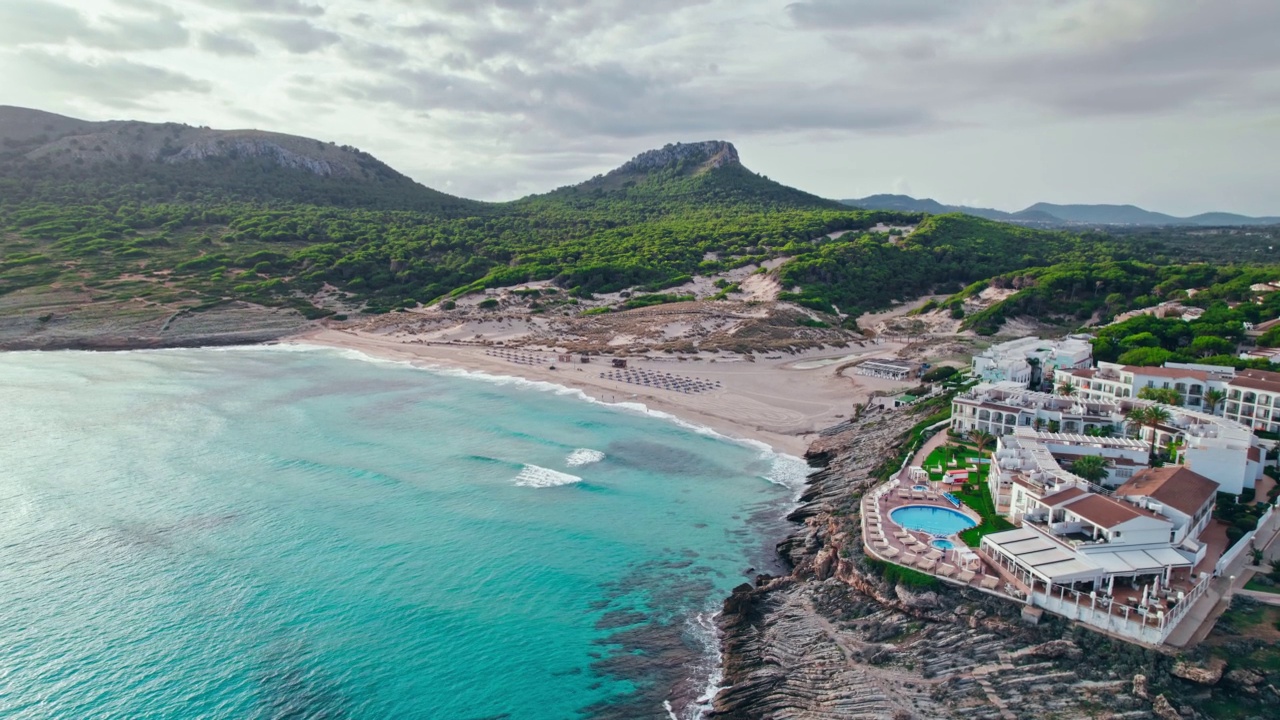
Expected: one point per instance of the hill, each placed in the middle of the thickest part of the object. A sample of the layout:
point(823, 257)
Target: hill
point(49, 156)
point(1050, 214)
point(683, 174)
point(195, 221)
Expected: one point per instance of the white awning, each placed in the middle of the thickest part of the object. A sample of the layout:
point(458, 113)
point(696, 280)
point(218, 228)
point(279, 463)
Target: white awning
point(1169, 557)
point(1141, 562)
point(1041, 557)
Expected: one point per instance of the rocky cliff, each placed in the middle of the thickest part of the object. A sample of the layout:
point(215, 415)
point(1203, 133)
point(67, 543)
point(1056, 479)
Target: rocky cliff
point(696, 157)
point(834, 640)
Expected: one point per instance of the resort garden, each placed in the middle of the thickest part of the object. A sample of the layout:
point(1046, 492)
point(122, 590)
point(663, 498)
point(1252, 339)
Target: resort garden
point(951, 461)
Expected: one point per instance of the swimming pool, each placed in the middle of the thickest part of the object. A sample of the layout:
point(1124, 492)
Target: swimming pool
point(942, 544)
point(933, 520)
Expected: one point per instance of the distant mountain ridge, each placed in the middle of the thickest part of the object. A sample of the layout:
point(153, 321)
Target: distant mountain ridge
point(1052, 214)
point(37, 145)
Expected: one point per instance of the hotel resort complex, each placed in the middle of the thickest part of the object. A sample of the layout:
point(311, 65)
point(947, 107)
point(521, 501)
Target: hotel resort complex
point(1091, 503)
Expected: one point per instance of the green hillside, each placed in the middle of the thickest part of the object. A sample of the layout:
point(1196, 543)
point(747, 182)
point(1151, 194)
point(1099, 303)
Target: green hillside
point(190, 216)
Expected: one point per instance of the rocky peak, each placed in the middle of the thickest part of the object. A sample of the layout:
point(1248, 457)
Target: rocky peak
point(701, 156)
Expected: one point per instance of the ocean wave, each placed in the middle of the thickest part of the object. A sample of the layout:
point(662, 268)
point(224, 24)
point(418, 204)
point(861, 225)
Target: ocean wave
point(786, 470)
point(583, 456)
point(540, 477)
point(702, 628)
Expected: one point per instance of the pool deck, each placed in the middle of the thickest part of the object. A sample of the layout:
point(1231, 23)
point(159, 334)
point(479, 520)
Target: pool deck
point(885, 540)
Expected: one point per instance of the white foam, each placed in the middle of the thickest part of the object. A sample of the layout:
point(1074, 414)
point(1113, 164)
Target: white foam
point(787, 470)
point(583, 456)
point(704, 630)
point(540, 477)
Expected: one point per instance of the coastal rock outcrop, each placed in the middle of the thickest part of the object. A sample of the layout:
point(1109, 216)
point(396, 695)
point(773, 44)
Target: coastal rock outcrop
point(1204, 675)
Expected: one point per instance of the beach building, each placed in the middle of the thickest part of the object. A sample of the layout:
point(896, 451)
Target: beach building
point(1130, 560)
point(1027, 359)
point(1252, 396)
point(1222, 449)
point(888, 369)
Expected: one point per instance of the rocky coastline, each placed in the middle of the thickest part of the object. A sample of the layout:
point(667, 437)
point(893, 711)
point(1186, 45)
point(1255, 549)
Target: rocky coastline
point(834, 639)
point(111, 327)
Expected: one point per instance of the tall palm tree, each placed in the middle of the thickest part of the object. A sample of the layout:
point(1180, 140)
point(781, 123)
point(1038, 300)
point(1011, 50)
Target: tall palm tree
point(1137, 419)
point(1151, 417)
point(1091, 467)
point(981, 439)
point(1213, 398)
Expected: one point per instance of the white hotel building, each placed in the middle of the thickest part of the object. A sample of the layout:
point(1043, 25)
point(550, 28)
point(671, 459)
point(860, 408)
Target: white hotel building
point(1218, 448)
point(1252, 396)
point(1016, 361)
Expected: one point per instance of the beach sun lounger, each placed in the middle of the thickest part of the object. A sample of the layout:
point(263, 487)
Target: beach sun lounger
point(891, 552)
point(926, 564)
point(990, 582)
point(946, 570)
point(966, 576)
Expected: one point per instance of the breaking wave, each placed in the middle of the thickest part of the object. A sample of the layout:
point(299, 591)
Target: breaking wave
point(540, 477)
point(583, 456)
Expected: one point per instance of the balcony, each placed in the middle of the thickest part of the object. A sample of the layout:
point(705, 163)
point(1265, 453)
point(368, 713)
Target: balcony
point(1072, 535)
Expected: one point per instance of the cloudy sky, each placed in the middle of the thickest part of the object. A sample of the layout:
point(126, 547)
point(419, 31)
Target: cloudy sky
point(1170, 104)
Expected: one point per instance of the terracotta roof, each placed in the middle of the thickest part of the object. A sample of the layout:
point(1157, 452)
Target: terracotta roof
point(1174, 485)
point(1107, 513)
point(1257, 380)
point(1263, 327)
point(1062, 496)
point(1176, 373)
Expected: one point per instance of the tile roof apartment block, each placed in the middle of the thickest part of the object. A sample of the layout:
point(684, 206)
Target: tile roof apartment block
point(1218, 448)
point(1253, 396)
point(1121, 559)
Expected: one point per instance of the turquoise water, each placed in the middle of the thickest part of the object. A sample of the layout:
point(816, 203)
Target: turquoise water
point(942, 544)
point(265, 533)
point(933, 520)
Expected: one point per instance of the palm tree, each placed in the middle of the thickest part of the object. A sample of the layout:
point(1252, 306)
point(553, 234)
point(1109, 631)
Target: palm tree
point(981, 439)
point(1212, 398)
point(1137, 418)
point(1151, 417)
point(1067, 388)
point(1091, 467)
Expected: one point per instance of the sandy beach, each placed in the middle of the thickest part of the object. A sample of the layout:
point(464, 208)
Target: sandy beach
point(782, 402)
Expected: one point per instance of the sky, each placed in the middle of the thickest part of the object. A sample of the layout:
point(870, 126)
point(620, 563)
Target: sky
point(1173, 105)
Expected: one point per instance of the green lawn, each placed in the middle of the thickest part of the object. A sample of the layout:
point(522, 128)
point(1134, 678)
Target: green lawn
point(978, 497)
point(964, 456)
point(1255, 585)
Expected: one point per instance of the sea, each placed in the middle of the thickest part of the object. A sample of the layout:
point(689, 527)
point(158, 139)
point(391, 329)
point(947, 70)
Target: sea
point(301, 532)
